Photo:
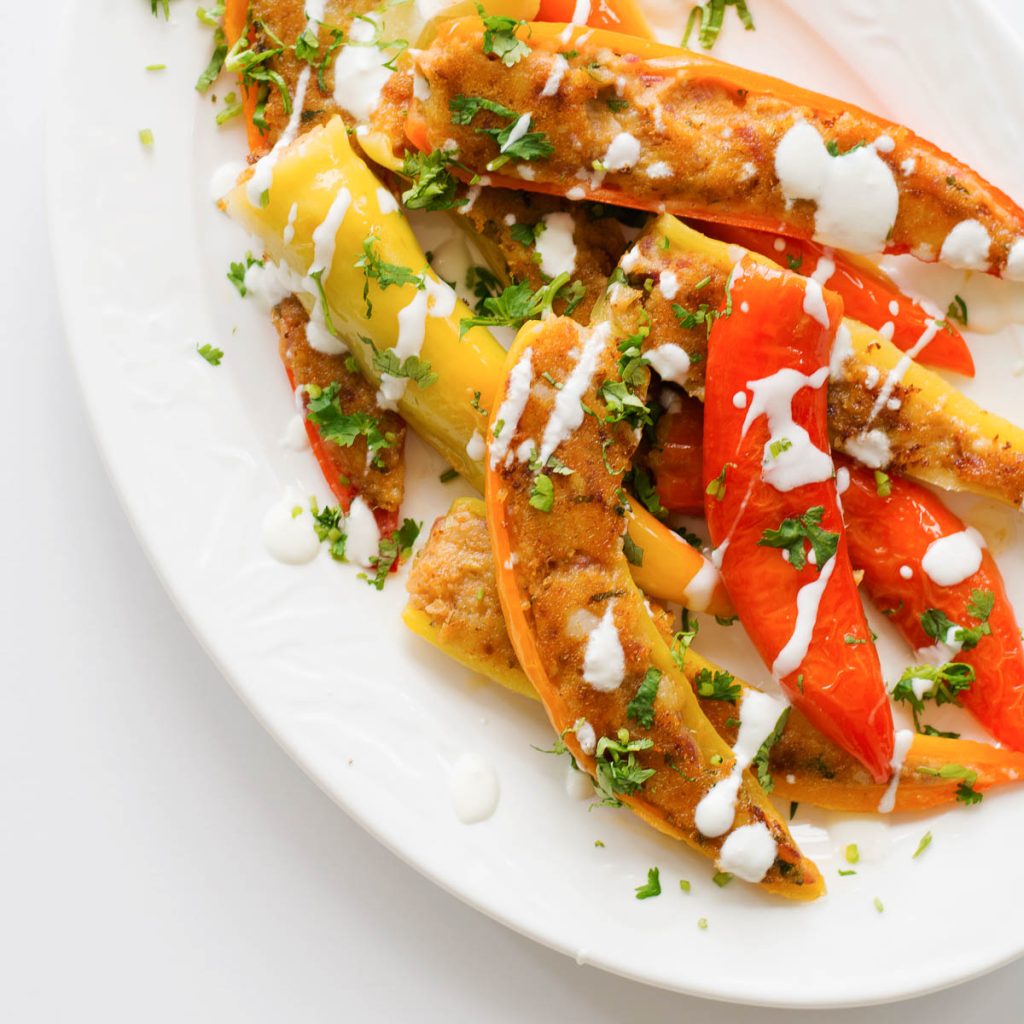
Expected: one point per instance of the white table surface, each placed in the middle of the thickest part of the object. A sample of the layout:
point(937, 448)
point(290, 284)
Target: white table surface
point(160, 858)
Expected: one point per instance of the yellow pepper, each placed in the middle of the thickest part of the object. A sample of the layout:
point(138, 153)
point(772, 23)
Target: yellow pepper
point(308, 177)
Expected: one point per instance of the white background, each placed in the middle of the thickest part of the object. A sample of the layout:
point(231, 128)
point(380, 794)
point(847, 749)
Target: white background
point(160, 858)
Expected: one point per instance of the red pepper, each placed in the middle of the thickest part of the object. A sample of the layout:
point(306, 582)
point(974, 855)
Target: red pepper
point(888, 536)
point(677, 458)
point(387, 519)
point(868, 294)
point(771, 330)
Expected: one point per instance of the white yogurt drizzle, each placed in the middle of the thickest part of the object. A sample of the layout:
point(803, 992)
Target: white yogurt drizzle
point(581, 12)
point(871, 448)
point(362, 534)
point(263, 170)
point(808, 600)
point(748, 852)
point(520, 381)
point(326, 233)
point(900, 746)
point(953, 559)
point(435, 299)
point(359, 72)
point(698, 592)
point(604, 662)
point(759, 714)
point(288, 234)
point(559, 66)
point(897, 373)
point(556, 245)
point(476, 447)
point(856, 194)
point(668, 284)
point(474, 789)
point(623, 152)
point(287, 537)
point(967, 246)
point(567, 414)
point(801, 463)
point(670, 362)
point(814, 302)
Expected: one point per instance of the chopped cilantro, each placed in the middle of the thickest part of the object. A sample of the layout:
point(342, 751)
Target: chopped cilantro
point(721, 878)
point(516, 304)
point(411, 367)
point(385, 274)
point(639, 480)
point(883, 485)
point(707, 19)
point(641, 707)
point(212, 355)
point(500, 38)
point(433, 186)
point(236, 272)
point(325, 413)
point(652, 887)
point(761, 758)
point(684, 885)
point(717, 685)
point(879, 905)
point(327, 524)
point(957, 311)
point(926, 841)
point(527, 146)
point(937, 624)
point(618, 773)
point(633, 552)
point(776, 448)
point(945, 683)
point(391, 550)
point(623, 404)
point(526, 234)
point(793, 533)
point(716, 488)
point(542, 496)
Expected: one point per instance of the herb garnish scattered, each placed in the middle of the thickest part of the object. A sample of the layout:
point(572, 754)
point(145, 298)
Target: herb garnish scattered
point(527, 145)
point(391, 550)
point(641, 707)
point(618, 772)
point(500, 38)
point(212, 355)
point(652, 887)
point(761, 758)
point(793, 533)
point(707, 19)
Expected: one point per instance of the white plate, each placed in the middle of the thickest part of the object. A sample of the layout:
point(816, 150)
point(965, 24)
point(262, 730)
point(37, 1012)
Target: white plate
point(371, 713)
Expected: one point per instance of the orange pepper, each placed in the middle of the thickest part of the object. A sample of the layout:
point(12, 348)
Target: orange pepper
point(617, 15)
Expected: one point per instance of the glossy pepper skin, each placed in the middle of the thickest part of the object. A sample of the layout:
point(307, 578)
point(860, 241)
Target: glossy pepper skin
point(868, 294)
point(836, 684)
point(892, 532)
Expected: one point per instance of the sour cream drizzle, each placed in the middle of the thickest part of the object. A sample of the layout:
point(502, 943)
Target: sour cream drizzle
point(953, 559)
point(604, 663)
point(556, 245)
point(567, 414)
point(801, 463)
point(520, 381)
point(900, 747)
point(808, 600)
point(748, 852)
point(559, 66)
point(263, 171)
point(325, 233)
point(897, 373)
point(759, 714)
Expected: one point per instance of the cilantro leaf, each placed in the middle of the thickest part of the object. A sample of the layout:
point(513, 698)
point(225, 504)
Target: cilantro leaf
point(212, 355)
point(938, 625)
point(718, 685)
point(942, 684)
point(236, 272)
point(500, 38)
point(385, 274)
point(527, 145)
point(412, 367)
point(639, 480)
point(652, 887)
point(618, 773)
point(515, 305)
point(542, 497)
point(761, 758)
point(641, 707)
point(341, 428)
point(433, 185)
point(328, 526)
point(392, 549)
point(792, 533)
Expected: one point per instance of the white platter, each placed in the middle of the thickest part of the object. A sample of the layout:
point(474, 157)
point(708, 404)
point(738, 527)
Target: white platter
point(372, 714)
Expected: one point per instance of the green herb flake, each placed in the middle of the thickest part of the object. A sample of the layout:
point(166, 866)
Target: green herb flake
point(926, 841)
point(684, 885)
point(212, 355)
point(957, 311)
point(146, 137)
point(763, 755)
point(721, 878)
point(641, 707)
point(879, 905)
point(542, 496)
point(852, 854)
point(717, 684)
point(391, 550)
point(652, 887)
point(500, 38)
point(792, 533)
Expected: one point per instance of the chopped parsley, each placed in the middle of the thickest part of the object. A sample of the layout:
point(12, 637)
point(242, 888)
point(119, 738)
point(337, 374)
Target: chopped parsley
point(526, 234)
point(618, 773)
point(716, 488)
point(212, 355)
point(641, 707)
point(385, 274)
point(707, 19)
point(965, 791)
point(411, 367)
point(433, 186)
point(761, 758)
point(926, 841)
point(944, 684)
point(793, 533)
point(518, 303)
point(652, 887)
point(500, 38)
point(232, 109)
point(325, 413)
point(717, 685)
point(957, 311)
point(702, 316)
point(883, 485)
point(633, 552)
point(942, 629)
point(542, 496)
point(682, 640)
point(391, 550)
point(623, 404)
point(639, 480)
point(252, 62)
point(721, 878)
point(794, 262)
point(327, 524)
point(236, 272)
point(526, 146)
point(776, 448)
